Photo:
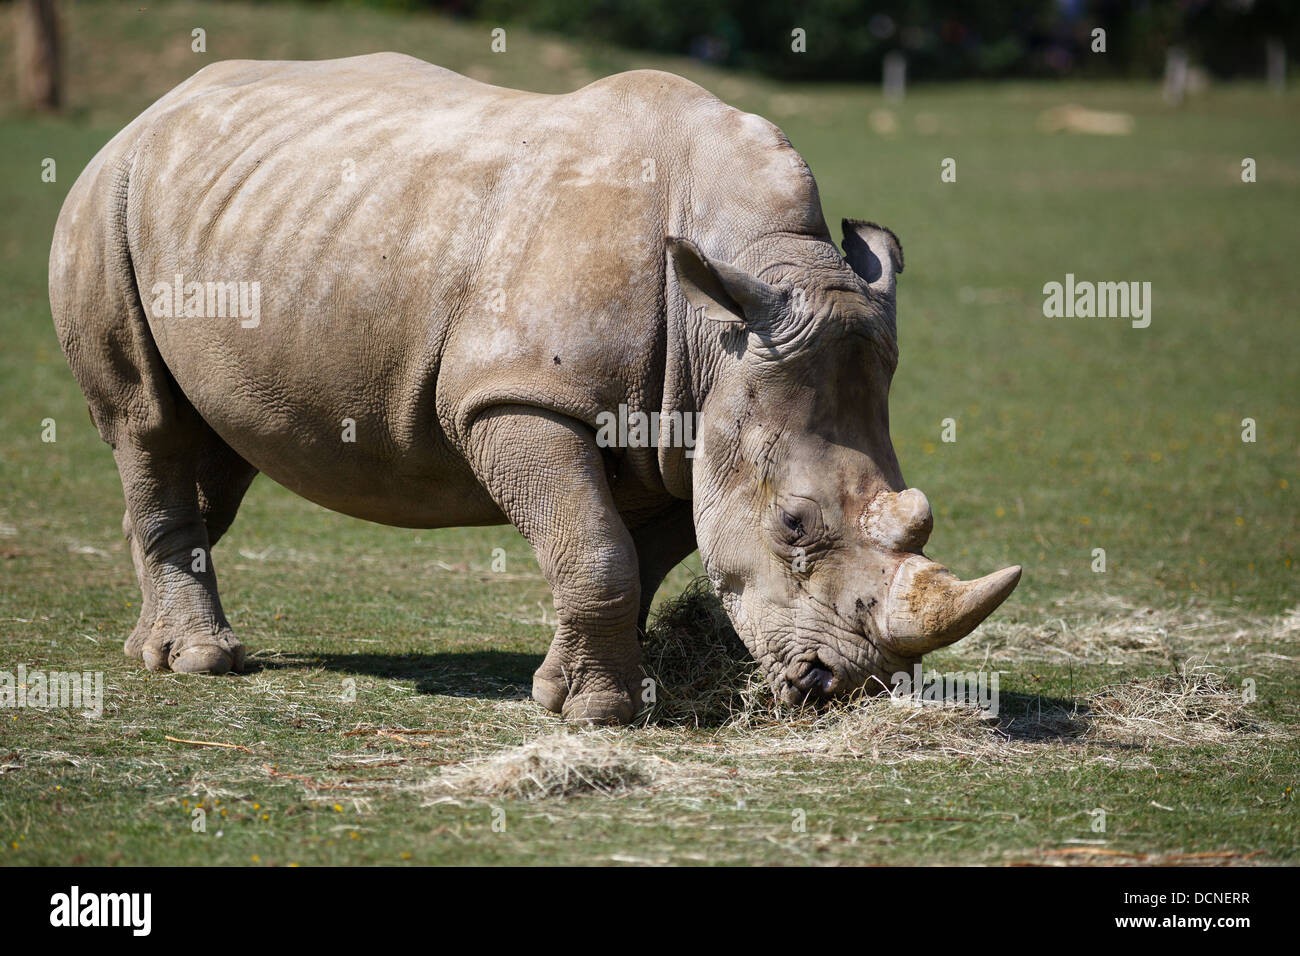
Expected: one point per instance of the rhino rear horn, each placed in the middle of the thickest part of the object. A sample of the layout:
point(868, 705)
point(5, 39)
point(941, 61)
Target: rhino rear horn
point(929, 607)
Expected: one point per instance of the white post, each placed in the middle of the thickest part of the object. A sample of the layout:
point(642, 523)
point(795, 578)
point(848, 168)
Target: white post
point(1275, 64)
point(1175, 75)
point(895, 78)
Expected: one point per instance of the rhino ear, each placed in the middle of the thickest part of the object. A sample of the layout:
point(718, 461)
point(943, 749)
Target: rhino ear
point(874, 253)
point(719, 291)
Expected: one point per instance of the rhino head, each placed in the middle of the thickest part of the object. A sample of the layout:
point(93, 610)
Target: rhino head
point(804, 524)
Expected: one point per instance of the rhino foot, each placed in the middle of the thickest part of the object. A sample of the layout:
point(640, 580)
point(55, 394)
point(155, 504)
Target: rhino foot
point(549, 693)
point(186, 649)
point(598, 702)
point(599, 709)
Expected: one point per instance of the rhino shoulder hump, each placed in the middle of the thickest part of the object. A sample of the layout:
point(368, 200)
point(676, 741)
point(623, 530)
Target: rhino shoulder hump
point(665, 92)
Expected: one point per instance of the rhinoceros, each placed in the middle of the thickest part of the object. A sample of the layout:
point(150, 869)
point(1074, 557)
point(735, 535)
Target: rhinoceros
point(418, 299)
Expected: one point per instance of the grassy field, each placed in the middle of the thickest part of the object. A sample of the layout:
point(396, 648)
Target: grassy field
point(1073, 434)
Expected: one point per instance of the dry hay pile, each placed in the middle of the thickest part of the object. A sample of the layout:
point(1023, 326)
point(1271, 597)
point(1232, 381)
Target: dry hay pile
point(1108, 632)
point(890, 731)
point(705, 678)
point(563, 765)
point(1192, 705)
point(704, 675)
point(1072, 118)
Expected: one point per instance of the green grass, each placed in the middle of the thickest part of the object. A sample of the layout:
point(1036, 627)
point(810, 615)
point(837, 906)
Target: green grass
point(1073, 434)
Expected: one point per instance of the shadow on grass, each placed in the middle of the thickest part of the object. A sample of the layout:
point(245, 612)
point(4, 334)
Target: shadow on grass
point(497, 675)
point(1032, 717)
point(1027, 718)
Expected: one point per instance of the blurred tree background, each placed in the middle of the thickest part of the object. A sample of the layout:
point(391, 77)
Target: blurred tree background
point(942, 39)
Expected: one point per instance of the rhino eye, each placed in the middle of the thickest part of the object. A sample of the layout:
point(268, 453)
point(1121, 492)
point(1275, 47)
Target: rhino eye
point(797, 519)
point(792, 523)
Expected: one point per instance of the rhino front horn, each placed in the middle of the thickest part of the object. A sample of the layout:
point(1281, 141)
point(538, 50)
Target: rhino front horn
point(929, 607)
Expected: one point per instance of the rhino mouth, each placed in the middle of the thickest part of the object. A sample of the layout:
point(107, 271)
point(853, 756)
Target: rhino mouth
point(809, 666)
point(847, 658)
point(819, 676)
point(811, 680)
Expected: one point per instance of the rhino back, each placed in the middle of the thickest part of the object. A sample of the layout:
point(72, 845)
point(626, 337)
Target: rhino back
point(425, 246)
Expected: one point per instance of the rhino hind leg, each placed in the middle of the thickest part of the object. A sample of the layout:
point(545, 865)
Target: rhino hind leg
point(168, 458)
point(134, 646)
point(546, 474)
point(182, 491)
point(661, 544)
point(222, 478)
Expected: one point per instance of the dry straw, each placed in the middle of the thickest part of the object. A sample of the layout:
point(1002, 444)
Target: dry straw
point(561, 765)
point(1193, 704)
point(705, 680)
point(703, 674)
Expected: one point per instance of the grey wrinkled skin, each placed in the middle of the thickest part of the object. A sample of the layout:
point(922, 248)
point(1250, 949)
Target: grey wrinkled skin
point(472, 275)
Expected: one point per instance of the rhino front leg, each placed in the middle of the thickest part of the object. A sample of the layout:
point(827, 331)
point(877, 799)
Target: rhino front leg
point(546, 474)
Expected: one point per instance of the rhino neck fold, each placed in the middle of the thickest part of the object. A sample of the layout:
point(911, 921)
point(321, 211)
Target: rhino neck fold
point(697, 349)
point(682, 396)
